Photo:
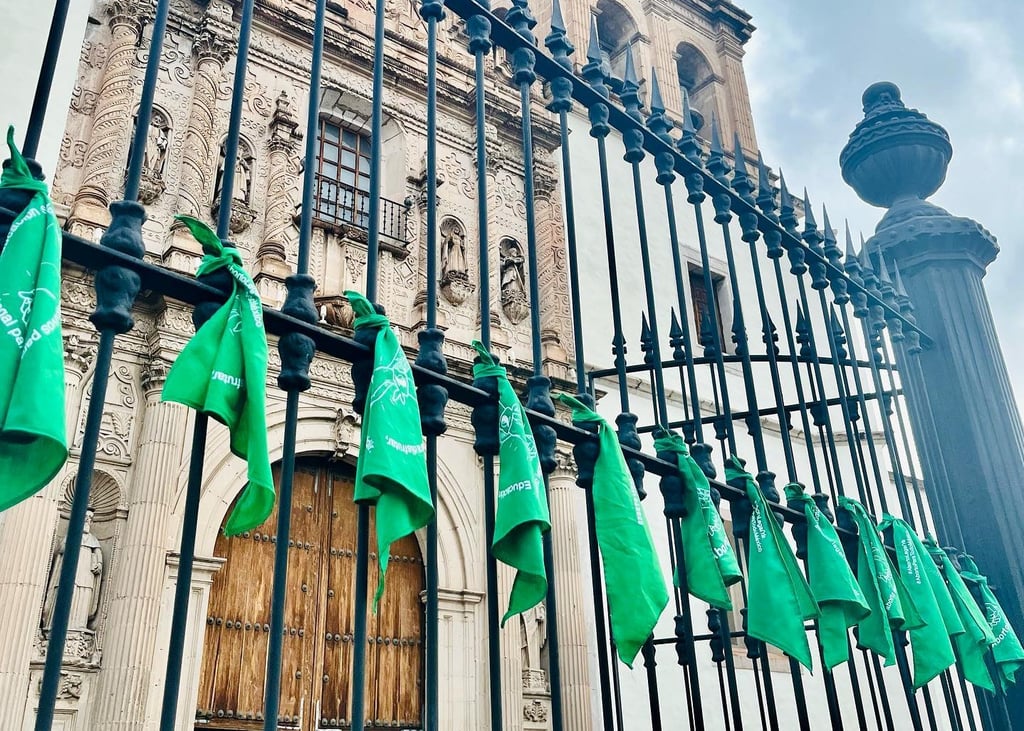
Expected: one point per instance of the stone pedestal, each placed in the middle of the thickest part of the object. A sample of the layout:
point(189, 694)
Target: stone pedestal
point(966, 424)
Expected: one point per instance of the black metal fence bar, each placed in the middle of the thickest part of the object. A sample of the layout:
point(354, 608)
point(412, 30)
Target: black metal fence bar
point(44, 85)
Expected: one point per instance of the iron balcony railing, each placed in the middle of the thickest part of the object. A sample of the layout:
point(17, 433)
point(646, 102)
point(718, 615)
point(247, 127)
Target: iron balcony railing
point(338, 204)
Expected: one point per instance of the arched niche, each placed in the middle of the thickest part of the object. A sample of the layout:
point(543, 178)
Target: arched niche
point(699, 81)
point(617, 31)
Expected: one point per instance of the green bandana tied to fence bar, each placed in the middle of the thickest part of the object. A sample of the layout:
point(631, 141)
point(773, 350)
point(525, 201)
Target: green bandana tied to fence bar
point(778, 597)
point(933, 651)
point(637, 594)
point(1007, 651)
point(840, 600)
point(522, 512)
point(392, 469)
point(33, 442)
point(222, 372)
point(890, 604)
point(708, 557)
point(977, 637)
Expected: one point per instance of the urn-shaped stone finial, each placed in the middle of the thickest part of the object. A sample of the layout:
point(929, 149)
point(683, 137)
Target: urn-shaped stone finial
point(894, 153)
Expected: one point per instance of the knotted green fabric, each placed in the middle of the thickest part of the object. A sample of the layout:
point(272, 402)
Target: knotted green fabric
point(521, 516)
point(1007, 651)
point(778, 597)
point(840, 600)
point(392, 468)
point(933, 651)
point(637, 594)
point(33, 442)
point(222, 372)
point(890, 604)
point(708, 557)
point(973, 644)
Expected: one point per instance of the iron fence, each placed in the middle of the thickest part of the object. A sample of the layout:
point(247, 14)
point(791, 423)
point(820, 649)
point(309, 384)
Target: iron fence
point(837, 334)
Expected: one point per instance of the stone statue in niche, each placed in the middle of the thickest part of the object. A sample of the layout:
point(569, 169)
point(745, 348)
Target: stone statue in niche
point(154, 159)
point(513, 281)
point(85, 601)
point(242, 215)
point(455, 284)
point(533, 631)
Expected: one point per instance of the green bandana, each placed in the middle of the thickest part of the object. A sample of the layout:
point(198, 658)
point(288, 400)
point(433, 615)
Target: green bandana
point(778, 597)
point(933, 652)
point(840, 600)
point(522, 512)
point(1007, 650)
point(222, 372)
point(977, 637)
point(636, 589)
point(33, 444)
point(392, 468)
point(890, 604)
point(708, 556)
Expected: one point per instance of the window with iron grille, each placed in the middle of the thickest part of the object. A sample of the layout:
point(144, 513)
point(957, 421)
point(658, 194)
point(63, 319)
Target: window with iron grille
point(343, 176)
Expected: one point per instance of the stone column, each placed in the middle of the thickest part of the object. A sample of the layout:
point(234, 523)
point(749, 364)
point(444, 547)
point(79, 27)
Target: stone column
point(211, 49)
point(966, 423)
point(572, 632)
point(105, 156)
point(25, 550)
point(272, 255)
point(129, 668)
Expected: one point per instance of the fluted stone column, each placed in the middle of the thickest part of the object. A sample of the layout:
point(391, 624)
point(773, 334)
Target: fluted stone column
point(137, 587)
point(26, 536)
point(572, 633)
point(966, 423)
point(105, 156)
point(511, 656)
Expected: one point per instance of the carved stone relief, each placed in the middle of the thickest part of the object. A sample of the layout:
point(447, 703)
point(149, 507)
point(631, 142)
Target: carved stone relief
point(513, 281)
point(154, 158)
point(242, 215)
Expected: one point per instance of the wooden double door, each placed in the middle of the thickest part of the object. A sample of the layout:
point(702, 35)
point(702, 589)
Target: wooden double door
point(316, 685)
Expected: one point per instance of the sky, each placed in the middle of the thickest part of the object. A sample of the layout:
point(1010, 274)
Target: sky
point(957, 61)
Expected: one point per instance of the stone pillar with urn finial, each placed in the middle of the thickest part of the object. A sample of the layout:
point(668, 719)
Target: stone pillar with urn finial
point(967, 427)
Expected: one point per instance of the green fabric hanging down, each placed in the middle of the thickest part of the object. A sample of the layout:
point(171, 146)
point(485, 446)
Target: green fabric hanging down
point(840, 600)
point(521, 517)
point(977, 638)
point(1007, 650)
point(708, 557)
point(890, 604)
point(637, 594)
point(933, 651)
point(33, 441)
point(222, 372)
point(392, 469)
point(778, 597)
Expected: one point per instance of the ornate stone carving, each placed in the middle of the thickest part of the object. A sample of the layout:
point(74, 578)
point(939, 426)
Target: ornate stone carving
point(533, 633)
point(242, 215)
point(78, 351)
point(535, 711)
point(346, 433)
point(70, 687)
point(513, 281)
point(335, 311)
point(154, 158)
point(85, 600)
point(455, 284)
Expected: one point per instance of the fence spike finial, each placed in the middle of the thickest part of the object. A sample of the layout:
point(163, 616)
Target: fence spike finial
point(809, 223)
point(629, 74)
point(557, 22)
point(688, 127)
point(851, 255)
point(716, 137)
point(657, 104)
point(740, 163)
point(594, 47)
point(764, 182)
point(901, 291)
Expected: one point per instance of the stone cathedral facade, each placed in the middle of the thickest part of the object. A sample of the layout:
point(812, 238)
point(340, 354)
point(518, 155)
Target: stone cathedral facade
point(114, 662)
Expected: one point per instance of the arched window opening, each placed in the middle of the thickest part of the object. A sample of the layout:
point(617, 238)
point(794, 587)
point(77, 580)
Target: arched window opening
point(616, 32)
point(697, 80)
